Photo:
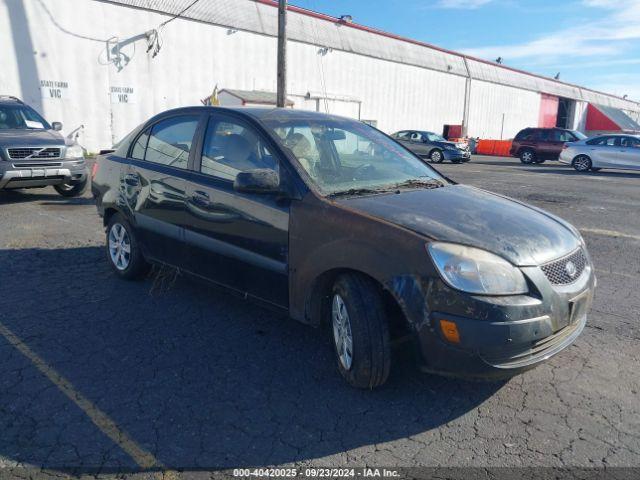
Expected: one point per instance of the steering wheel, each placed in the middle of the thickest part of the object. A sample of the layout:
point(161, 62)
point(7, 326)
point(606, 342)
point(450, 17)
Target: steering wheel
point(362, 170)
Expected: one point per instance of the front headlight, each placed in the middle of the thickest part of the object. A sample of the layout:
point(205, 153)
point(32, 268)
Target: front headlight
point(476, 271)
point(74, 152)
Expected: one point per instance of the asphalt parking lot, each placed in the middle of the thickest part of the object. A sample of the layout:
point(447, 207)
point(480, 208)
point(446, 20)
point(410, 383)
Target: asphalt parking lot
point(102, 375)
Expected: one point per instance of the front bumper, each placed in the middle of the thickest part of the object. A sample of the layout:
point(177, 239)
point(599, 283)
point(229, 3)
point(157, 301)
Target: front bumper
point(29, 174)
point(457, 155)
point(503, 336)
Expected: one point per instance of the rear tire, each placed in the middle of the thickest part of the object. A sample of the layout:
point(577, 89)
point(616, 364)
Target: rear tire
point(72, 189)
point(527, 156)
point(360, 331)
point(581, 163)
point(436, 156)
point(123, 250)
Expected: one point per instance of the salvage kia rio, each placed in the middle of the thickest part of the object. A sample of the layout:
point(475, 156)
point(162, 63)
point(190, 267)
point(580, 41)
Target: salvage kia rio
point(335, 223)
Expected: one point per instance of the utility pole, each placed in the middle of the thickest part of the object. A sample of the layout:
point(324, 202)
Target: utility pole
point(282, 52)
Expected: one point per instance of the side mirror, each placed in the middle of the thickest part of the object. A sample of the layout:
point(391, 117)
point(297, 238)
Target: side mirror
point(259, 180)
point(57, 126)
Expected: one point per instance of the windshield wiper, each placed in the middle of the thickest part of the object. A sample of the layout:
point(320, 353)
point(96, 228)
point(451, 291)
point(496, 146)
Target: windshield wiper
point(352, 192)
point(418, 183)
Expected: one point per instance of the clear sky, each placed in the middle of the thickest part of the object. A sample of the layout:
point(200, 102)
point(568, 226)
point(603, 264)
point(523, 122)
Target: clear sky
point(594, 43)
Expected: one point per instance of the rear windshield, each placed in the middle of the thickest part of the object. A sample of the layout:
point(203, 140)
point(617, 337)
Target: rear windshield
point(580, 135)
point(21, 117)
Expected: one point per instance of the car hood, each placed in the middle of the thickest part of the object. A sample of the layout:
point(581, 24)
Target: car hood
point(30, 138)
point(442, 144)
point(461, 214)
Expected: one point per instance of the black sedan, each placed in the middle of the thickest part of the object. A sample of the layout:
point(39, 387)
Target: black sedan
point(334, 223)
point(433, 146)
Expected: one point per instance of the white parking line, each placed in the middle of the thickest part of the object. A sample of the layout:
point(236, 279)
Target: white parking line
point(143, 458)
point(610, 233)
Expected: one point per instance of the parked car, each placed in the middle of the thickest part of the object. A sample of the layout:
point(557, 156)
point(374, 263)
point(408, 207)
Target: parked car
point(535, 145)
point(604, 151)
point(293, 209)
point(33, 154)
point(433, 146)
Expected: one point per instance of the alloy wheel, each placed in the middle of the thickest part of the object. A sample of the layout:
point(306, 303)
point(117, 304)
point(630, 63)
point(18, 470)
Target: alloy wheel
point(119, 246)
point(342, 335)
point(527, 157)
point(582, 163)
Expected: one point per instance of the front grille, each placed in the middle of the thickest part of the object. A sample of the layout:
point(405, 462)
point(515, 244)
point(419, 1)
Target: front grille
point(561, 272)
point(33, 152)
point(36, 164)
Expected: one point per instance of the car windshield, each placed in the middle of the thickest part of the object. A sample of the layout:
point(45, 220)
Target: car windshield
point(21, 117)
point(348, 157)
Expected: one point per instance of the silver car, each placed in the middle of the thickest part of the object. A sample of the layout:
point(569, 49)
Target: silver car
point(604, 151)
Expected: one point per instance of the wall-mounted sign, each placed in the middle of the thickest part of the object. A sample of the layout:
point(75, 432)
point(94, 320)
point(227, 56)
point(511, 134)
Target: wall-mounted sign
point(122, 95)
point(54, 89)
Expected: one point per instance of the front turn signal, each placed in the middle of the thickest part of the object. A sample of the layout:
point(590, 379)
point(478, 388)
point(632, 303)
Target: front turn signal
point(450, 331)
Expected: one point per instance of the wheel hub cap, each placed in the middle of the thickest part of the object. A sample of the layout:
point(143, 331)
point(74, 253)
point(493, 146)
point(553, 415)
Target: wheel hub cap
point(342, 331)
point(119, 246)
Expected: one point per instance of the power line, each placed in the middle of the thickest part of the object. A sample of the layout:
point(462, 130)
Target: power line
point(180, 13)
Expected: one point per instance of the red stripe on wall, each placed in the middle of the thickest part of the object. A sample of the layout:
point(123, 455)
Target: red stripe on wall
point(596, 120)
point(548, 111)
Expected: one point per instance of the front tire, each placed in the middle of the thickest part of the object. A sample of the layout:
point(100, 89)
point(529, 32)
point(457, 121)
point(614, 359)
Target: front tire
point(527, 156)
point(581, 163)
point(123, 250)
point(360, 331)
point(72, 189)
point(436, 156)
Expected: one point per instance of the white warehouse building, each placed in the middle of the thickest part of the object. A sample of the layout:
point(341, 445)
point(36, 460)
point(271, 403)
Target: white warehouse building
point(102, 67)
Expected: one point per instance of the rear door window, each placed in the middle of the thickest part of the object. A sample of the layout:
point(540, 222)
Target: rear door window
point(604, 141)
point(171, 140)
point(140, 146)
point(543, 136)
point(416, 137)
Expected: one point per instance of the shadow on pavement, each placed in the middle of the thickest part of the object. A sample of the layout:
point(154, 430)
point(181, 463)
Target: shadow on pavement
point(45, 198)
point(194, 376)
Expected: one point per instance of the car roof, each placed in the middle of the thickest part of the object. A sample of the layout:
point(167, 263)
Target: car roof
point(8, 99)
point(617, 135)
point(259, 113)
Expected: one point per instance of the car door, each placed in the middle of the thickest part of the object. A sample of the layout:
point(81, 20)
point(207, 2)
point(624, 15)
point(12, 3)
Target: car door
point(629, 155)
point(555, 141)
point(404, 137)
point(603, 151)
point(153, 184)
point(236, 239)
point(418, 145)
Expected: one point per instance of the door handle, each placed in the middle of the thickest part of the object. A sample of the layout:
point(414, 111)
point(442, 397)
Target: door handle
point(200, 198)
point(132, 179)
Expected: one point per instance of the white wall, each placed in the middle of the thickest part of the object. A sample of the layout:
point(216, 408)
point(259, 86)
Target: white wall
point(65, 41)
point(489, 102)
